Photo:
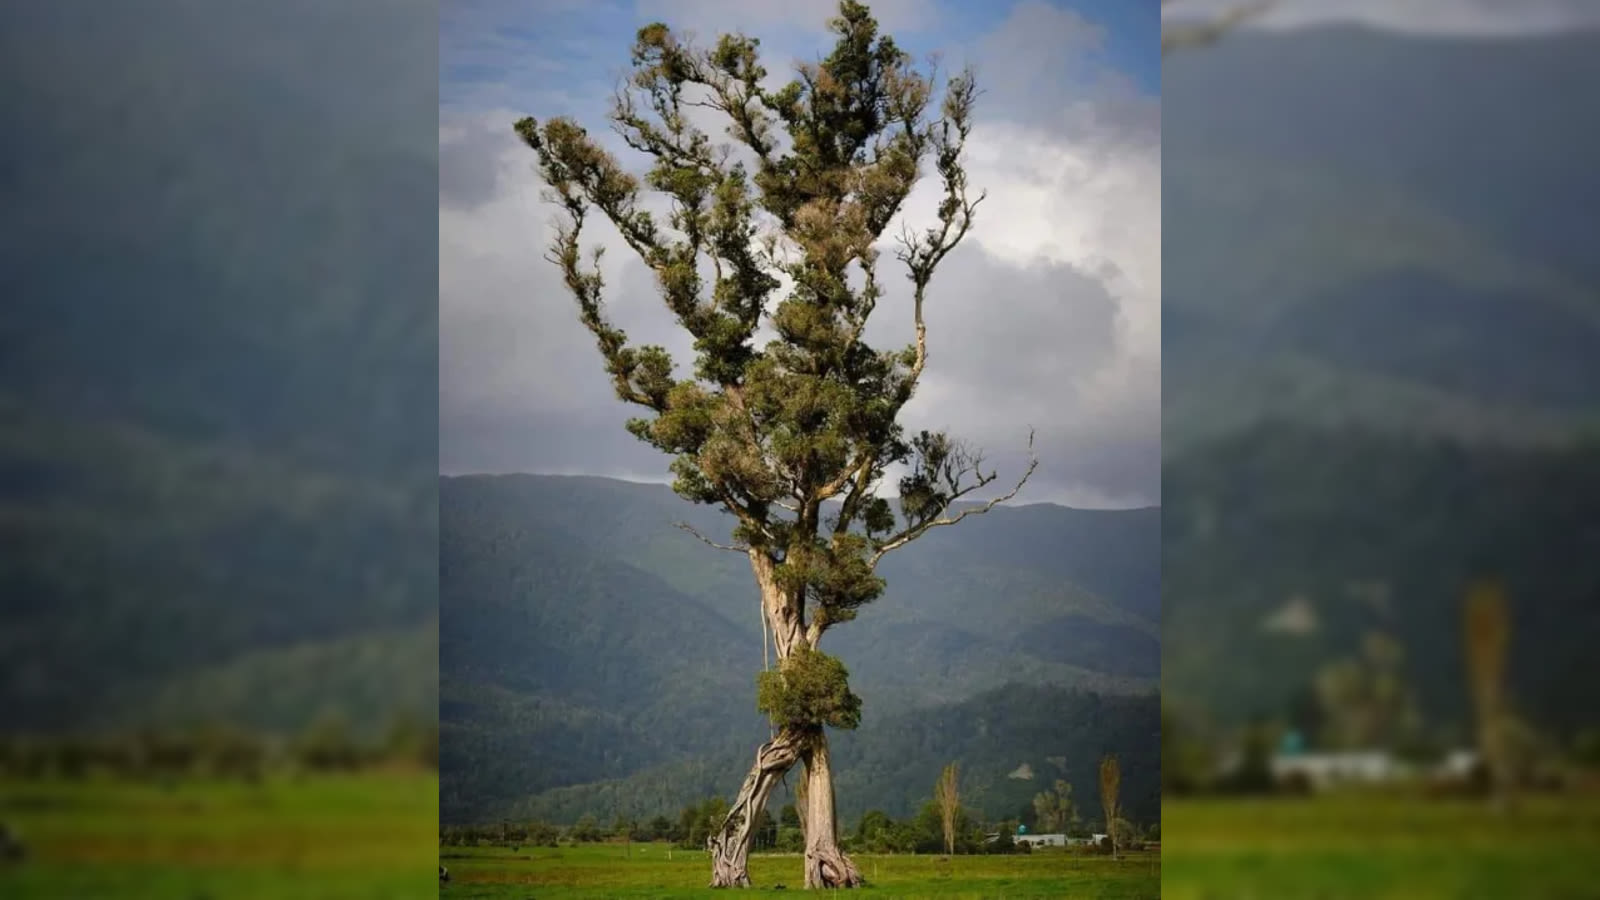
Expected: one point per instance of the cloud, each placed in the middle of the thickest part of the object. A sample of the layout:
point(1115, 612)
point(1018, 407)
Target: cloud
point(1049, 315)
point(800, 18)
point(1453, 18)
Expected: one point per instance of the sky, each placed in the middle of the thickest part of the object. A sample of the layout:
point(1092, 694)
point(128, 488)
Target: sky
point(1443, 18)
point(1048, 316)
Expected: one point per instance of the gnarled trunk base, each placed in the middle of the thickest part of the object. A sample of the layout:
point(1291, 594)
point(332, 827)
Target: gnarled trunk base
point(826, 865)
point(730, 845)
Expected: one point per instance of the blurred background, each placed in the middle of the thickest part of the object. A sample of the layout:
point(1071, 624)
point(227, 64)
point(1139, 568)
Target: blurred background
point(218, 427)
point(1381, 535)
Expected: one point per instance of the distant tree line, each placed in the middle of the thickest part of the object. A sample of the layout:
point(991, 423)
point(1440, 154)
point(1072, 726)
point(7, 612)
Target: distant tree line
point(326, 745)
point(875, 832)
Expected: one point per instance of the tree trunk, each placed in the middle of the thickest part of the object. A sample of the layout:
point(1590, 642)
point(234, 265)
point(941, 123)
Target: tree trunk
point(826, 864)
point(730, 845)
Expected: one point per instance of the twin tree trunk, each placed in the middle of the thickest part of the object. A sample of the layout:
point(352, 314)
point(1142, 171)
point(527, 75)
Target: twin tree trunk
point(826, 865)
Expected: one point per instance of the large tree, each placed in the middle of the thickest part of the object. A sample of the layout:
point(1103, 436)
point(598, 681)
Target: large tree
point(1487, 628)
point(947, 794)
point(1110, 792)
point(793, 437)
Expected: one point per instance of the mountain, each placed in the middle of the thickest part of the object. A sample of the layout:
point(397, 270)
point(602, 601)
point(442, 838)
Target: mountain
point(585, 642)
point(1362, 247)
point(218, 371)
point(1382, 346)
point(1371, 532)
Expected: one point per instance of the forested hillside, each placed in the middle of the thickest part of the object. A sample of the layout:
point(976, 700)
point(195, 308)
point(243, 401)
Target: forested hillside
point(592, 654)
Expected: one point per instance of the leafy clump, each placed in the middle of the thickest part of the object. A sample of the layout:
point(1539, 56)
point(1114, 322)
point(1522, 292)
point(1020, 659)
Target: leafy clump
point(811, 688)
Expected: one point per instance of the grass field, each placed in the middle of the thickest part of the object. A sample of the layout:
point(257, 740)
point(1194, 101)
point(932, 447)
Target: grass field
point(357, 836)
point(644, 871)
point(1380, 847)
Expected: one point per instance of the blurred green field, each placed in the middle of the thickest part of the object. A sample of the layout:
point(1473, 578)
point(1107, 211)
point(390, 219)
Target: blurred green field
point(1369, 845)
point(372, 835)
point(613, 871)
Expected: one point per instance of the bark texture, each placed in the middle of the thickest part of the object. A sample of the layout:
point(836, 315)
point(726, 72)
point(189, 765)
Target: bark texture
point(827, 866)
point(730, 845)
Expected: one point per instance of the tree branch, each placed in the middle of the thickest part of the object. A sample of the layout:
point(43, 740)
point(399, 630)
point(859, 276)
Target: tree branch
point(1182, 37)
point(922, 255)
point(735, 548)
point(918, 529)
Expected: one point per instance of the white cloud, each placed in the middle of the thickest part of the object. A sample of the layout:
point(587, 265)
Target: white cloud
point(759, 17)
point(1455, 18)
point(1049, 316)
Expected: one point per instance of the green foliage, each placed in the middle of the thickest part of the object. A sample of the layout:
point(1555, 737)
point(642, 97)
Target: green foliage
point(585, 830)
point(697, 821)
point(810, 689)
point(1054, 810)
point(772, 433)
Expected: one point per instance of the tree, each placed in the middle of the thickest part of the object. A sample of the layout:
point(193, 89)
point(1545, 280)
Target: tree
point(328, 744)
point(1053, 809)
point(1365, 701)
point(947, 794)
point(794, 438)
point(1487, 632)
point(877, 832)
point(587, 829)
point(1110, 782)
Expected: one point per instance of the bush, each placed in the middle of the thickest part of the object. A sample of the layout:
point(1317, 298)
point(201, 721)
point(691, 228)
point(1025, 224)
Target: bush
point(810, 688)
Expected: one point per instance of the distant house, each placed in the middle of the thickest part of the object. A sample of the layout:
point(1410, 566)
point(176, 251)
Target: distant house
point(1042, 840)
point(1321, 770)
point(1348, 767)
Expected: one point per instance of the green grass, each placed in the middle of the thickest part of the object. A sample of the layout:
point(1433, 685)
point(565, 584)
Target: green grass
point(644, 871)
point(359, 836)
point(1379, 846)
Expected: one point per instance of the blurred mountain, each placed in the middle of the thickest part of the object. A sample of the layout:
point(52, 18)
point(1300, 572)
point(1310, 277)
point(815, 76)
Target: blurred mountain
point(1382, 349)
point(217, 389)
point(1381, 230)
point(1370, 532)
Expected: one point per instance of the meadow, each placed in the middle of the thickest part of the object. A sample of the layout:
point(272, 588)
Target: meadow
point(1380, 846)
point(645, 871)
point(322, 837)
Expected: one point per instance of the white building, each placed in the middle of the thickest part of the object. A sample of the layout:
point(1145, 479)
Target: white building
point(1322, 770)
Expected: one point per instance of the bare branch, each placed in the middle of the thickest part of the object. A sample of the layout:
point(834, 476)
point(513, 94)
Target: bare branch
point(922, 255)
point(1188, 36)
point(916, 530)
point(735, 548)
